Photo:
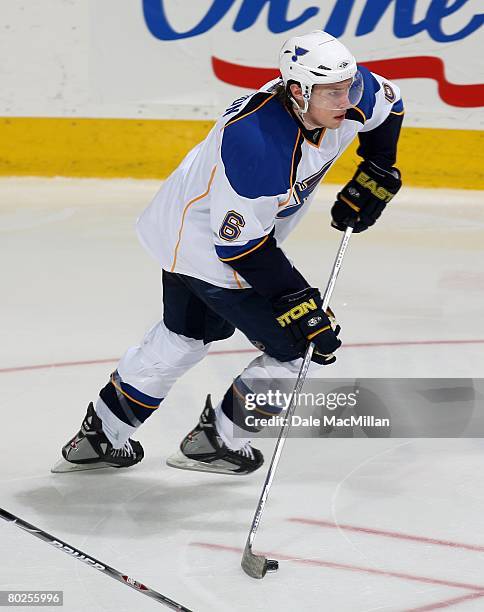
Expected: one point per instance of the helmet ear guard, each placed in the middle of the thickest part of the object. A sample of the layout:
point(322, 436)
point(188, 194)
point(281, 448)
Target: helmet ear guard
point(305, 92)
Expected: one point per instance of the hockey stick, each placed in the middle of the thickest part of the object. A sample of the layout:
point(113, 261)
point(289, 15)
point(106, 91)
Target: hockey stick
point(91, 561)
point(256, 566)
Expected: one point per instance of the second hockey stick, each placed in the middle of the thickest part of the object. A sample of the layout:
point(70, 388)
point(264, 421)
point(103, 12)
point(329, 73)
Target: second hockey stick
point(256, 566)
point(91, 561)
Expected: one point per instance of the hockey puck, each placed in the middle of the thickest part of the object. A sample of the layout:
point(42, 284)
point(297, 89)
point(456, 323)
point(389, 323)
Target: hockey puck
point(272, 565)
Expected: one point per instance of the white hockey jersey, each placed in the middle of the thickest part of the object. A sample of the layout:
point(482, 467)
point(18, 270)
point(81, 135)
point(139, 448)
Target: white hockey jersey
point(254, 172)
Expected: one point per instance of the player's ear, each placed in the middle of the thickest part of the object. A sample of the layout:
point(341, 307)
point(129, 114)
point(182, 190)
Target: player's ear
point(296, 92)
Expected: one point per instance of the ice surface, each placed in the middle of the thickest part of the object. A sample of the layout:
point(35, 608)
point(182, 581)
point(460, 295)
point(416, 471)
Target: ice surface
point(387, 525)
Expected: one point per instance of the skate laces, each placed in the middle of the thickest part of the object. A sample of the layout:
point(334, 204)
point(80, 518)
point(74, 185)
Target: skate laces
point(247, 451)
point(125, 451)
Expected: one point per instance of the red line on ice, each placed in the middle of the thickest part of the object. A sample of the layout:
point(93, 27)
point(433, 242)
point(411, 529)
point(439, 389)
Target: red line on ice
point(388, 534)
point(447, 603)
point(68, 364)
point(347, 567)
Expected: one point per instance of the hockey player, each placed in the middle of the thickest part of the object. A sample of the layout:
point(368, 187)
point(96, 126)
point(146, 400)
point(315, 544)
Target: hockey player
point(217, 225)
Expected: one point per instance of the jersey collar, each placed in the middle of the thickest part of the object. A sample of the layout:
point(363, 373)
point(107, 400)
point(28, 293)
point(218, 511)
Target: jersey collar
point(313, 137)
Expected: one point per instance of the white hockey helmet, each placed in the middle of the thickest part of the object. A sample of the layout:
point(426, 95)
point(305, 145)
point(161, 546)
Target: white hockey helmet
point(318, 58)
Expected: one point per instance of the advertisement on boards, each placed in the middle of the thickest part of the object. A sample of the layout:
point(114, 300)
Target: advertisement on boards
point(186, 59)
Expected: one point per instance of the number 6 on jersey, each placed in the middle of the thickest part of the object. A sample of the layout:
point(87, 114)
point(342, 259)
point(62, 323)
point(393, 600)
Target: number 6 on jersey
point(230, 228)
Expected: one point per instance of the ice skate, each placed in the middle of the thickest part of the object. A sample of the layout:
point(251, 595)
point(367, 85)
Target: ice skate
point(90, 449)
point(202, 450)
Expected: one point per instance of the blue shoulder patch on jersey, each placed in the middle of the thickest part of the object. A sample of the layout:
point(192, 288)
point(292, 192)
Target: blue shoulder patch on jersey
point(370, 87)
point(258, 147)
point(397, 107)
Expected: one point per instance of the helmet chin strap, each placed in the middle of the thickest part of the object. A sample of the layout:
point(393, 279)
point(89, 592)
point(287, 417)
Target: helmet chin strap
point(301, 115)
point(306, 93)
point(301, 111)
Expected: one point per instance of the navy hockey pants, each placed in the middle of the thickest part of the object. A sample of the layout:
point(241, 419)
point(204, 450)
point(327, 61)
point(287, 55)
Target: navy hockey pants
point(202, 311)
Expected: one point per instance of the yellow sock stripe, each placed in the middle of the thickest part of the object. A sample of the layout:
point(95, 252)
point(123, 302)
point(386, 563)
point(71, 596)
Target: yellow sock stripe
point(242, 397)
point(237, 392)
point(257, 409)
point(320, 331)
point(131, 399)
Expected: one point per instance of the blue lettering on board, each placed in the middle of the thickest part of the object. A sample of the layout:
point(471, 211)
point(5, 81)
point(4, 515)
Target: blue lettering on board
point(372, 12)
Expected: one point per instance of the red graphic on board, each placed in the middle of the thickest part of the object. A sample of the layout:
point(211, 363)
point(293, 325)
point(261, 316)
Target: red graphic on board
point(420, 67)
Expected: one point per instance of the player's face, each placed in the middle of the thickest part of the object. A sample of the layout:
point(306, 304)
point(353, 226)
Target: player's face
point(327, 106)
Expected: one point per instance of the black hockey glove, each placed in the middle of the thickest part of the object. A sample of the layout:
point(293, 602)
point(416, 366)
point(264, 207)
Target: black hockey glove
point(301, 315)
point(364, 198)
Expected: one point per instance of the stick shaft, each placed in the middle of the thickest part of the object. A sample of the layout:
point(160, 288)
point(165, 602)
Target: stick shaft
point(338, 262)
point(91, 561)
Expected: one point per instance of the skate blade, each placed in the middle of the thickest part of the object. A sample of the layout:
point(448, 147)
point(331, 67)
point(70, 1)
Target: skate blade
point(63, 466)
point(181, 462)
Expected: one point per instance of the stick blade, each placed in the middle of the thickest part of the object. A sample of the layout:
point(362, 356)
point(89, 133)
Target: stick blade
point(256, 566)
